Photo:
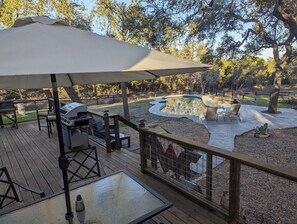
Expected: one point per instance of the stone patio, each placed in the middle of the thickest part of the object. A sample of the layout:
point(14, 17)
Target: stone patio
point(223, 132)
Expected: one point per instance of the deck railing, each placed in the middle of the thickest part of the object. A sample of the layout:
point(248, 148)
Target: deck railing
point(239, 187)
point(105, 128)
point(100, 129)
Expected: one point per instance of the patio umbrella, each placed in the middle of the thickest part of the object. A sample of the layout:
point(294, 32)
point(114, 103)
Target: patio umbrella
point(40, 52)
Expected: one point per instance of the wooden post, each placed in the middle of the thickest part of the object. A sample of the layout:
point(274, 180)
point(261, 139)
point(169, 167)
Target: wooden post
point(125, 101)
point(209, 177)
point(234, 191)
point(143, 162)
point(117, 132)
point(107, 133)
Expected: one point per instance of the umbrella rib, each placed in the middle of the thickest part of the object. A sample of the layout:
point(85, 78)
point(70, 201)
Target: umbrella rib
point(152, 74)
point(70, 79)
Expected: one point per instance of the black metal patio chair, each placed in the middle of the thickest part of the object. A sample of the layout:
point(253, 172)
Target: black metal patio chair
point(41, 114)
point(8, 192)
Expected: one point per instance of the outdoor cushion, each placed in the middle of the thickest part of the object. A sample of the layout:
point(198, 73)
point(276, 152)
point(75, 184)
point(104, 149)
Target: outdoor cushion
point(99, 129)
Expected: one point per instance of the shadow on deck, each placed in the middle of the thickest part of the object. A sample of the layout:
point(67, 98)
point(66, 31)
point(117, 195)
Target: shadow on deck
point(32, 158)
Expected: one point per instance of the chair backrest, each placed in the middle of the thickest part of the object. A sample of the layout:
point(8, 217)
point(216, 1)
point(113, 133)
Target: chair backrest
point(6, 104)
point(234, 109)
point(99, 129)
point(98, 126)
point(51, 104)
point(8, 192)
point(211, 113)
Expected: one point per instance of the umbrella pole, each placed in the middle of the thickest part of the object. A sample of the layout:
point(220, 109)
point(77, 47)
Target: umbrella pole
point(63, 160)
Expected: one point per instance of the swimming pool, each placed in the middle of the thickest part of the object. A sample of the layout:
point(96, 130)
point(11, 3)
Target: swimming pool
point(190, 106)
point(184, 105)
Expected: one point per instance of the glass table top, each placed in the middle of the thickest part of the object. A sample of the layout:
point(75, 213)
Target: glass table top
point(118, 198)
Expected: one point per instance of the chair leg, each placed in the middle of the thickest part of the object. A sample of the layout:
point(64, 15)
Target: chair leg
point(48, 128)
point(38, 120)
point(1, 122)
point(15, 119)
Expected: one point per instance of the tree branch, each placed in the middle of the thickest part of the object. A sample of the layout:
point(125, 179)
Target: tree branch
point(245, 20)
point(280, 13)
point(239, 44)
point(288, 45)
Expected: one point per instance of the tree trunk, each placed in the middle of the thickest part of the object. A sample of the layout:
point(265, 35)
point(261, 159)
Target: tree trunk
point(272, 107)
point(192, 83)
point(48, 93)
point(125, 101)
point(72, 94)
point(202, 85)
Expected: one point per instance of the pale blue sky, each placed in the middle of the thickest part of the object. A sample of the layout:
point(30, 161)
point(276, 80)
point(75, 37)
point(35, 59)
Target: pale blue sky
point(90, 3)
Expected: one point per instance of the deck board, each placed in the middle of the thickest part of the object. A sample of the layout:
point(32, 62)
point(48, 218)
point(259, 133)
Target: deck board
point(32, 158)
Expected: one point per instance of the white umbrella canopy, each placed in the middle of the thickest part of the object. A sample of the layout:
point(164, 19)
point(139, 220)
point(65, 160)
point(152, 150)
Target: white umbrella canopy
point(40, 52)
point(38, 46)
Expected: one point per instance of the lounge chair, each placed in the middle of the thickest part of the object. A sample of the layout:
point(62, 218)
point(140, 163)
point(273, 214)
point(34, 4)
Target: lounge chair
point(211, 113)
point(99, 129)
point(234, 112)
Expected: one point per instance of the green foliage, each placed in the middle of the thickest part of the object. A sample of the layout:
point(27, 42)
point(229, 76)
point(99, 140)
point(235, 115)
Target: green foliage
point(71, 11)
point(262, 130)
point(132, 23)
point(245, 27)
point(185, 29)
point(245, 73)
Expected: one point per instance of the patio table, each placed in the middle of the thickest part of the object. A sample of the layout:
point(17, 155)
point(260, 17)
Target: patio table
point(116, 198)
point(122, 138)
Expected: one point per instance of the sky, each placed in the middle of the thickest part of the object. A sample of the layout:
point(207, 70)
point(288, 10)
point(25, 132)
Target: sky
point(266, 53)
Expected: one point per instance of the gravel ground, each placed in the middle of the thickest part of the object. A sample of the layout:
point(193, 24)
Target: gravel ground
point(265, 198)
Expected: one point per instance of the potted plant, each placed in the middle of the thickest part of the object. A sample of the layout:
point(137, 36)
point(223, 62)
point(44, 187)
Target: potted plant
point(262, 131)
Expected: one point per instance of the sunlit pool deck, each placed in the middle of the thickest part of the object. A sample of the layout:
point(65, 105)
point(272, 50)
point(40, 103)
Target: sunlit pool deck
point(223, 131)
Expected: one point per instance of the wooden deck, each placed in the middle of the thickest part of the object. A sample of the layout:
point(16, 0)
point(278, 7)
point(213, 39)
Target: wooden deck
point(31, 157)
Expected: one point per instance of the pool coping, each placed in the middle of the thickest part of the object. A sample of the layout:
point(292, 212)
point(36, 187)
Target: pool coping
point(160, 102)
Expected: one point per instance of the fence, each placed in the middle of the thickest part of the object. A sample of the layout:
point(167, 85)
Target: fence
point(288, 97)
point(237, 186)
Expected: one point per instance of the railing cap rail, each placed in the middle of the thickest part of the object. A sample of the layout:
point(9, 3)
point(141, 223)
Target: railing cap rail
point(101, 113)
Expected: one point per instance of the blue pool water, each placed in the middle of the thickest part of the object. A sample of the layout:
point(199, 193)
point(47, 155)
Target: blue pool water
point(184, 105)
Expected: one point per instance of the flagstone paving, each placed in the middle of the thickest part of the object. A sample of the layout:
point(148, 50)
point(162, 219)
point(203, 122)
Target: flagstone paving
point(223, 132)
